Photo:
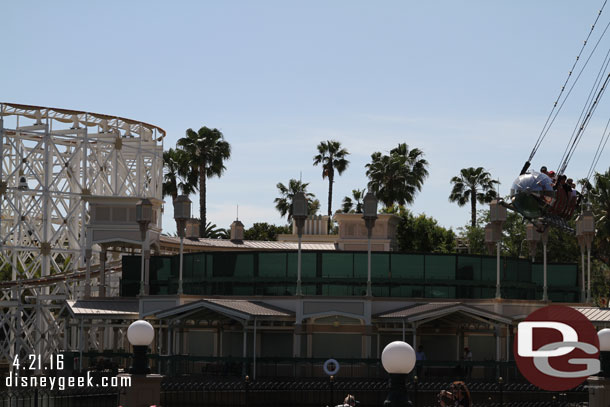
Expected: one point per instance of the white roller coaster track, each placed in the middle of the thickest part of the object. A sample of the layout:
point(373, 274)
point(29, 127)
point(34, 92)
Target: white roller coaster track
point(51, 161)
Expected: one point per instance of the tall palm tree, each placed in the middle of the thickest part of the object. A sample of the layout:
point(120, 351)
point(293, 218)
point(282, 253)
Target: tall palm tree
point(179, 176)
point(397, 177)
point(332, 157)
point(284, 203)
point(357, 198)
point(206, 150)
point(473, 185)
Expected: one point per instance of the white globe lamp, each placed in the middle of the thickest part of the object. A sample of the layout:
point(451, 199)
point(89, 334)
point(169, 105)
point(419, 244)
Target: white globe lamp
point(398, 359)
point(140, 334)
point(604, 354)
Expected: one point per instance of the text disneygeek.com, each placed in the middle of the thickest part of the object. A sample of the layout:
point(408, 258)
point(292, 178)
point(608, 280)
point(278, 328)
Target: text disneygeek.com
point(61, 383)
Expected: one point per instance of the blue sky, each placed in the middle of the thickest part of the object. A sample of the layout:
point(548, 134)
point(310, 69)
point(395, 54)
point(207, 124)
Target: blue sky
point(468, 82)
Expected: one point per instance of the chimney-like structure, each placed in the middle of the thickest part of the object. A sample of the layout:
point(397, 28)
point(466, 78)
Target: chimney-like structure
point(237, 230)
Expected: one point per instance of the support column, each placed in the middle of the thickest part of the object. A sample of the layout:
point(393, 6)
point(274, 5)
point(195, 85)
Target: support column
point(102, 273)
point(545, 240)
point(88, 255)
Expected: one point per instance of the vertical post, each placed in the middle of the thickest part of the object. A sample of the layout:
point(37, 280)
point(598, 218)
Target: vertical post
point(589, 273)
point(545, 296)
point(583, 293)
point(369, 290)
point(88, 255)
point(102, 274)
point(147, 265)
point(299, 289)
point(254, 352)
point(498, 288)
point(180, 291)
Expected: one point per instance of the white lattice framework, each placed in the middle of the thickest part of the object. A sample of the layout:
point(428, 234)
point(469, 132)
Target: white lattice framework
point(51, 161)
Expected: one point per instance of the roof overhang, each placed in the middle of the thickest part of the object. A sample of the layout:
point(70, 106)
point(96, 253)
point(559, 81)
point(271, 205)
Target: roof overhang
point(422, 313)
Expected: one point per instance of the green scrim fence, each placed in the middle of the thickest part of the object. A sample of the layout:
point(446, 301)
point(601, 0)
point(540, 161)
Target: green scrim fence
point(450, 276)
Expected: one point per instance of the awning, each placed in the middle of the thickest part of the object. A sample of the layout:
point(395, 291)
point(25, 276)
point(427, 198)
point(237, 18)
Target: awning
point(104, 309)
point(424, 312)
point(243, 310)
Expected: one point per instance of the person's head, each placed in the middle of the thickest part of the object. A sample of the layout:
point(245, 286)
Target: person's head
point(420, 348)
point(350, 400)
point(459, 391)
point(570, 181)
point(466, 349)
point(551, 174)
point(562, 178)
point(543, 170)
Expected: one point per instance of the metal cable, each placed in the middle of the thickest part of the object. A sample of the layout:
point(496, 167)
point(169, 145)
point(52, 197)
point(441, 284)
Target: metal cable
point(583, 126)
point(549, 122)
point(586, 107)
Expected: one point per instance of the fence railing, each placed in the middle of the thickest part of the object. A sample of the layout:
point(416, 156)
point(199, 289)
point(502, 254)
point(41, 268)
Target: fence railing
point(41, 397)
point(319, 393)
point(187, 365)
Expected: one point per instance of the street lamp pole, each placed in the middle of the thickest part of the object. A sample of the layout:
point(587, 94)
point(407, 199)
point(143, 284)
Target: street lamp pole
point(370, 216)
point(585, 232)
point(299, 214)
point(182, 212)
point(144, 217)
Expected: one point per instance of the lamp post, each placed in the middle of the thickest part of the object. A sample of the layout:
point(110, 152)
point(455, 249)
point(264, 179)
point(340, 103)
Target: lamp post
point(182, 212)
point(144, 217)
point(585, 231)
point(140, 334)
point(145, 388)
point(370, 216)
point(398, 359)
point(545, 240)
point(532, 237)
point(299, 214)
point(497, 216)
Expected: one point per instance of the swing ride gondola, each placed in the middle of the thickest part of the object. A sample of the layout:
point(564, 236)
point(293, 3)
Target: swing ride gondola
point(545, 198)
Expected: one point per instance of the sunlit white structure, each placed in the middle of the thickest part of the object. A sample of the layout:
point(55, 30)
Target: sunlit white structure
point(69, 183)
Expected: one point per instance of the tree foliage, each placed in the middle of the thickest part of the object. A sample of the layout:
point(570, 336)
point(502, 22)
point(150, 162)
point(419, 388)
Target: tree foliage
point(284, 202)
point(179, 177)
point(332, 157)
point(265, 231)
point(421, 233)
point(472, 185)
point(354, 203)
point(397, 177)
point(205, 150)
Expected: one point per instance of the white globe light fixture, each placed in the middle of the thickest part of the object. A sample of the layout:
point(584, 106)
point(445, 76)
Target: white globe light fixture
point(398, 359)
point(140, 334)
point(604, 354)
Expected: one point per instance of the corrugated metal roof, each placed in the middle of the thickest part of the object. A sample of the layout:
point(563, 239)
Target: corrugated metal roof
point(438, 309)
point(244, 309)
point(249, 244)
point(417, 309)
point(250, 307)
point(595, 314)
point(114, 307)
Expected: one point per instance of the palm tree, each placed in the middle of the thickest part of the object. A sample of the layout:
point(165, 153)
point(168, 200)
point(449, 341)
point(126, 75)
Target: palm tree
point(332, 157)
point(474, 185)
point(397, 177)
point(348, 203)
point(179, 175)
point(284, 203)
point(206, 150)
